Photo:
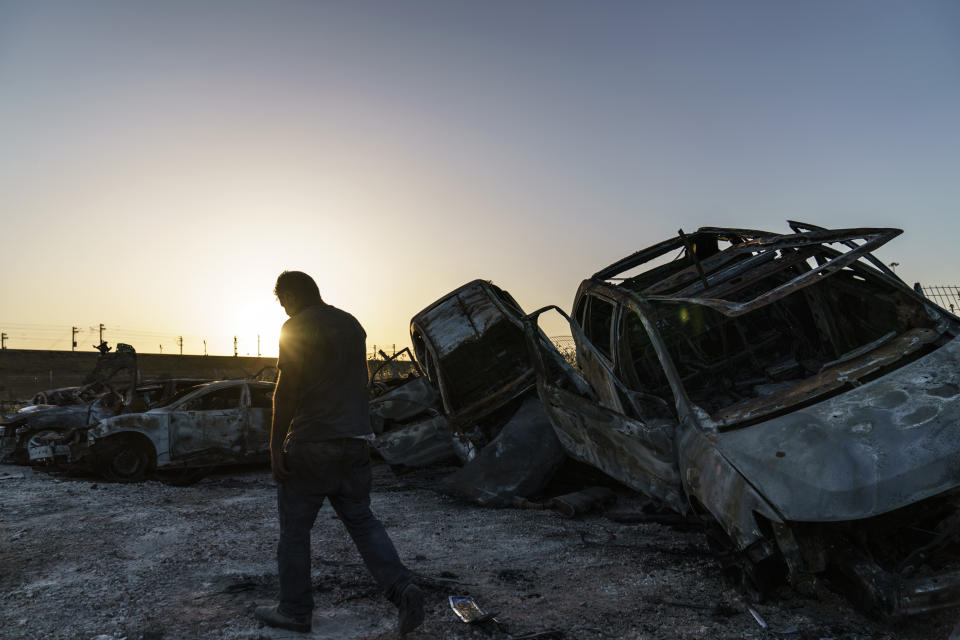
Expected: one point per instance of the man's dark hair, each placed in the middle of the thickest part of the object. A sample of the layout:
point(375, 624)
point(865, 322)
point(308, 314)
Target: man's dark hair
point(299, 284)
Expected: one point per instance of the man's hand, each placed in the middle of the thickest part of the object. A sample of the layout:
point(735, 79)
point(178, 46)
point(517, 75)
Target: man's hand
point(284, 405)
point(280, 472)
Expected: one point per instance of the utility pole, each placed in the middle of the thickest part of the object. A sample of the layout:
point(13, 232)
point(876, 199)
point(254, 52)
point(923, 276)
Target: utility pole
point(73, 338)
point(204, 347)
point(180, 342)
point(234, 346)
point(101, 332)
point(3, 341)
point(258, 345)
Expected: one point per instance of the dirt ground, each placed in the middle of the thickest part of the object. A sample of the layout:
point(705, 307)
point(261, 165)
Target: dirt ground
point(82, 558)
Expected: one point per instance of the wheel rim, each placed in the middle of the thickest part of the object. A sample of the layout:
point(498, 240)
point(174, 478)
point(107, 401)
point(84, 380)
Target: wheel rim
point(126, 463)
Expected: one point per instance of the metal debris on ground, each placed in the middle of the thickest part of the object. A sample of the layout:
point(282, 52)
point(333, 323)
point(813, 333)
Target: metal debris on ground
point(468, 610)
point(757, 617)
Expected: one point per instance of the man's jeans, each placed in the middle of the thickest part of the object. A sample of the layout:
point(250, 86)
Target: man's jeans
point(339, 470)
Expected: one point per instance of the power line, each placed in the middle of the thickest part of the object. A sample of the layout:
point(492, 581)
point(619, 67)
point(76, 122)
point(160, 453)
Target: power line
point(81, 338)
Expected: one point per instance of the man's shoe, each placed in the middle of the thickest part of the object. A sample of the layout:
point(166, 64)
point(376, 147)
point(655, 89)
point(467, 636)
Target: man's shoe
point(273, 617)
point(411, 609)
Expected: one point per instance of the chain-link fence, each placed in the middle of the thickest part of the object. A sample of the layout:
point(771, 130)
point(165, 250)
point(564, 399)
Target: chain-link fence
point(947, 296)
point(567, 348)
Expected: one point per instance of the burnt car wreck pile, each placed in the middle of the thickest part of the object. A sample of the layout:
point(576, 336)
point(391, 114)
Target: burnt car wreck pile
point(786, 392)
point(126, 429)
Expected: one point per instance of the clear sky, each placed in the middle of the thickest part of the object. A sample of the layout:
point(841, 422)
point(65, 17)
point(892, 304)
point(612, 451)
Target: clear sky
point(162, 162)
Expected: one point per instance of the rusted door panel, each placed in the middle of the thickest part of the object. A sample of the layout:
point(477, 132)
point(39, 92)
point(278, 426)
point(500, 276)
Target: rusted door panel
point(195, 431)
point(638, 455)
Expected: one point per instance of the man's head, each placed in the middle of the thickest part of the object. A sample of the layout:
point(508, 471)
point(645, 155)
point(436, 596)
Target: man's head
point(296, 290)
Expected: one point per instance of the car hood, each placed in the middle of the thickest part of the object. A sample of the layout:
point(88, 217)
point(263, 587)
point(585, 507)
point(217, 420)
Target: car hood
point(60, 418)
point(881, 446)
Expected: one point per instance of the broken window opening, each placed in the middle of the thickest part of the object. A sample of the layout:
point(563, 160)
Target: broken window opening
point(599, 322)
point(727, 363)
point(223, 399)
point(650, 389)
point(471, 371)
point(178, 396)
point(261, 397)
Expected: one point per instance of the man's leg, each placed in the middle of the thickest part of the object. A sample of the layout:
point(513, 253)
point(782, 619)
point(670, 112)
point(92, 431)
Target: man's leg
point(352, 503)
point(298, 511)
point(374, 545)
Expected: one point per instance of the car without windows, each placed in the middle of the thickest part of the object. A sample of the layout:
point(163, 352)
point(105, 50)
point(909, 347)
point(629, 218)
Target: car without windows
point(789, 390)
point(470, 345)
point(217, 423)
point(41, 433)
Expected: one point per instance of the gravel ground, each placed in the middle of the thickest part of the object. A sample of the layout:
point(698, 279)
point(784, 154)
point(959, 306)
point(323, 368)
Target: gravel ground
point(82, 558)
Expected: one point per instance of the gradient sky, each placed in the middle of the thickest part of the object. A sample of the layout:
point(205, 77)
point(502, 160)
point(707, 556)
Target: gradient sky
point(162, 162)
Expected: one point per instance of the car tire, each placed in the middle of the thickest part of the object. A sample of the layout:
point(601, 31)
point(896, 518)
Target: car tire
point(127, 459)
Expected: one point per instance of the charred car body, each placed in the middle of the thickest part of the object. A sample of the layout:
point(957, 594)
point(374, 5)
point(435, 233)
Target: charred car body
point(213, 424)
point(105, 391)
point(44, 432)
point(475, 399)
point(18, 430)
point(790, 391)
point(470, 345)
point(408, 422)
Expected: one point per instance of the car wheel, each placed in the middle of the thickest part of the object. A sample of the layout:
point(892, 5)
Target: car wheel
point(127, 459)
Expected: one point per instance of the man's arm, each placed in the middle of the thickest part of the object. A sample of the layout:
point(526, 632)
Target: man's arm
point(284, 405)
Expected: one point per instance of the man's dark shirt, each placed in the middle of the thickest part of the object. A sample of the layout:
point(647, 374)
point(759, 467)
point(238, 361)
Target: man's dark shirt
point(328, 347)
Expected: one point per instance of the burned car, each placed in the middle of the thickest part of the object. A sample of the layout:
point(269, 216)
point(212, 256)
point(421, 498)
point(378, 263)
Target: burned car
point(207, 425)
point(58, 397)
point(105, 391)
point(787, 389)
point(41, 432)
point(470, 345)
point(19, 429)
point(409, 424)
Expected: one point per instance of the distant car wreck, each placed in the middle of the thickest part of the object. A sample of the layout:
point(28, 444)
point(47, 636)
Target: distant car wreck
point(790, 391)
point(217, 423)
point(206, 425)
point(409, 424)
point(107, 390)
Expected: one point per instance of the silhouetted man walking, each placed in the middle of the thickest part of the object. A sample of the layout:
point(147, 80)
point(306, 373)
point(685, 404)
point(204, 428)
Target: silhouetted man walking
point(320, 448)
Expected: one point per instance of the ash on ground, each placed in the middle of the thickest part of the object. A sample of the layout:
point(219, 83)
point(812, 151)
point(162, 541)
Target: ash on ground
point(82, 558)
